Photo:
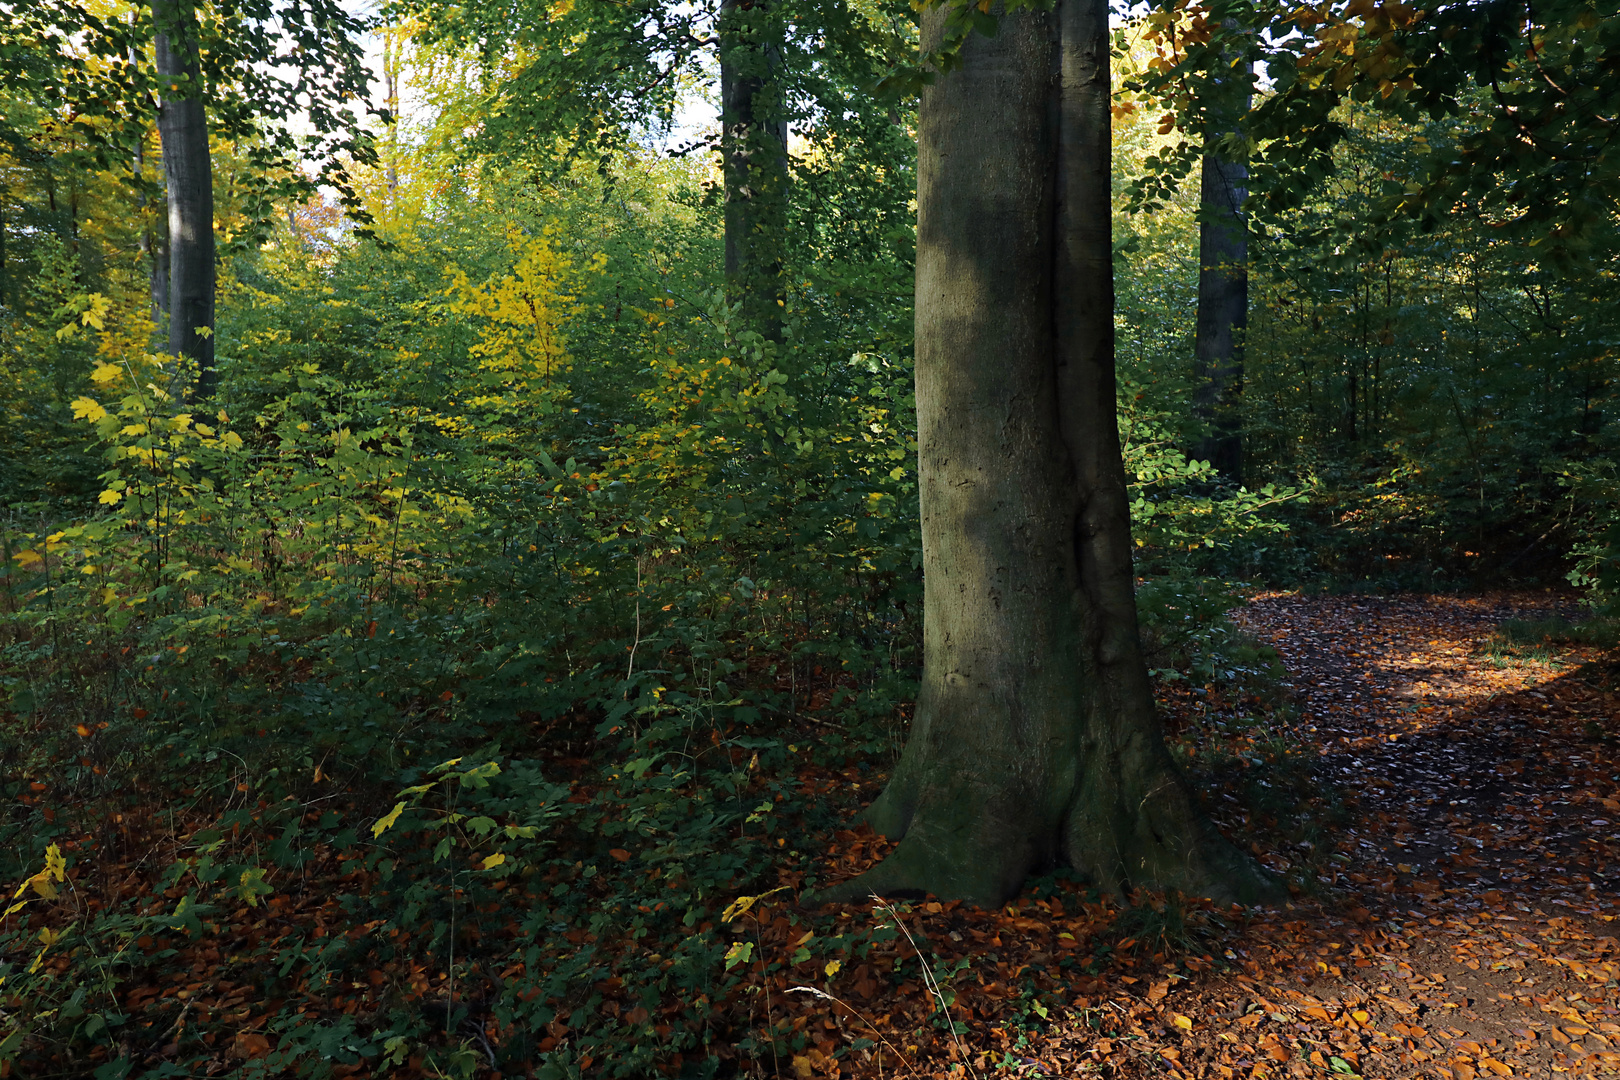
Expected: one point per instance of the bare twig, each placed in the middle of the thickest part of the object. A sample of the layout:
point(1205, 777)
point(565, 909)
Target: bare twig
point(861, 1016)
point(929, 981)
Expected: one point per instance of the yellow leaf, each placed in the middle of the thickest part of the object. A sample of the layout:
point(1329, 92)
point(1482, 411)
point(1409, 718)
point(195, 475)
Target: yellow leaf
point(90, 409)
point(96, 307)
point(1183, 1022)
point(491, 861)
point(386, 822)
point(28, 557)
point(42, 885)
point(110, 497)
point(50, 937)
point(55, 863)
point(741, 905)
point(833, 966)
point(105, 373)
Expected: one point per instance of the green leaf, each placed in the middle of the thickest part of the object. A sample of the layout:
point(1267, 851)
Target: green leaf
point(739, 953)
point(252, 886)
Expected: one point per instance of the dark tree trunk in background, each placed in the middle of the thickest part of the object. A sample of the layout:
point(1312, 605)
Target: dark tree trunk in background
point(1036, 740)
point(753, 147)
point(188, 175)
point(1223, 302)
point(153, 250)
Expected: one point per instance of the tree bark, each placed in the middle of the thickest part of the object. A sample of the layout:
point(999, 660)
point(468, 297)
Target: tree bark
point(1223, 307)
point(152, 250)
point(1035, 739)
point(188, 175)
point(753, 147)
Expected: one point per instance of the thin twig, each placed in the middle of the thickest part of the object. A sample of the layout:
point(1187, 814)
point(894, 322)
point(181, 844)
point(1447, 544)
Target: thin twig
point(859, 1015)
point(929, 981)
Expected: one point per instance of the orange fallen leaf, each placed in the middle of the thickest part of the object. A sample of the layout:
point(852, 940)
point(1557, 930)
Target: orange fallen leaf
point(252, 1045)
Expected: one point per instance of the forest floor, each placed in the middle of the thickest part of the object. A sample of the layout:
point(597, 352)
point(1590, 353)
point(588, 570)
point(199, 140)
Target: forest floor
point(1470, 927)
point(1475, 930)
point(1455, 914)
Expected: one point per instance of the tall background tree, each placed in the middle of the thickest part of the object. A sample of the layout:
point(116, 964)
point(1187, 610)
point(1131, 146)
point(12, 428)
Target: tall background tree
point(754, 159)
point(590, 79)
point(188, 180)
point(240, 77)
point(1223, 260)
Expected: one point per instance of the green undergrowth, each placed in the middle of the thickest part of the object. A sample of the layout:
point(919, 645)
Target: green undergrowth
point(1548, 641)
point(422, 706)
point(367, 821)
point(451, 911)
point(1189, 637)
point(1528, 633)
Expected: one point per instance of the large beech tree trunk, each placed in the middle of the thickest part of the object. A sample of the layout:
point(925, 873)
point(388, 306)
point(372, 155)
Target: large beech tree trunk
point(1035, 739)
point(753, 147)
point(1223, 312)
point(188, 174)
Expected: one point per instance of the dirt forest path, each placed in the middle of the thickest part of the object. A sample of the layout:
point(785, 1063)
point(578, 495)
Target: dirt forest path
point(1470, 928)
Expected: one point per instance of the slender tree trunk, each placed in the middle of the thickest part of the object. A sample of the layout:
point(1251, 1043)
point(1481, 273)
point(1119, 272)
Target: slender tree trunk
point(753, 146)
point(73, 235)
point(152, 250)
point(188, 174)
point(393, 64)
point(1223, 305)
point(1035, 739)
point(1352, 406)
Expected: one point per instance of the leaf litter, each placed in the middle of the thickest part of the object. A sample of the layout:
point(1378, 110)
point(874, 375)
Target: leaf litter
point(1464, 924)
point(1459, 922)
